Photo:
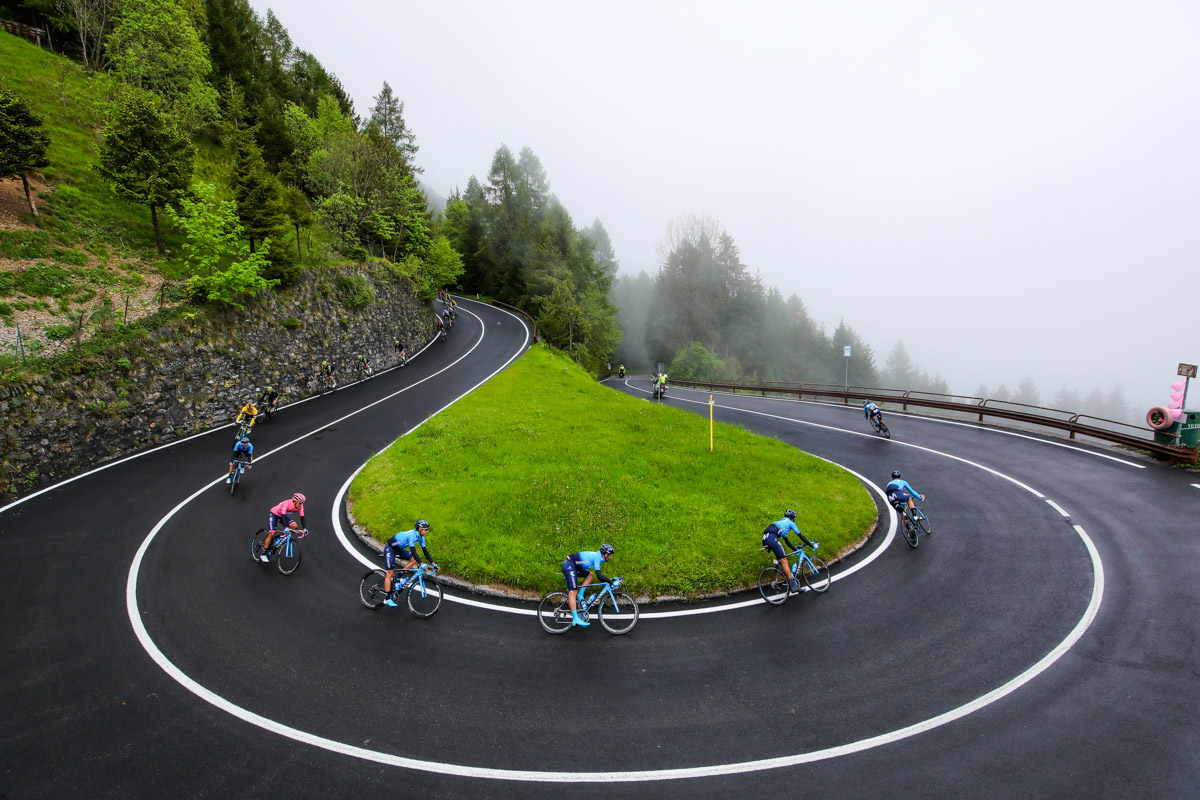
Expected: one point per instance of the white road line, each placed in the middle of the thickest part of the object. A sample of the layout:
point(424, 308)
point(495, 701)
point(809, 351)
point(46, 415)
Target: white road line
point(976, 464)
point(1057, 508)
point(600, 777)
point(1197, 485)
point(931, 419)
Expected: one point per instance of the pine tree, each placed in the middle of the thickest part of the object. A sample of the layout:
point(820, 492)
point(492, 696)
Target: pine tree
point(387, 116)
point(145, 155)
point(22, 145)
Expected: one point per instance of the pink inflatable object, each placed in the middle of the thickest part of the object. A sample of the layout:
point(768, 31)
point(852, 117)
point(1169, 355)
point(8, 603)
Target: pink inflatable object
point(1159, 418)
point(1178, 385)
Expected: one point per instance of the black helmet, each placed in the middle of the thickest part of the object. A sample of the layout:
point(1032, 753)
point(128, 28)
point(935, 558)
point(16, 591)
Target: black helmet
point(607, 549)
point(790, 515)
point(895, 474)
point(421, 525)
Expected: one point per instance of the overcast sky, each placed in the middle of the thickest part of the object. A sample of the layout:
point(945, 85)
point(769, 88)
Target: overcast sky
point(1011, 188)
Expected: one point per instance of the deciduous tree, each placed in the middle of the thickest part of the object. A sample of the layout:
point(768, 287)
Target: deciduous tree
point(22, 144)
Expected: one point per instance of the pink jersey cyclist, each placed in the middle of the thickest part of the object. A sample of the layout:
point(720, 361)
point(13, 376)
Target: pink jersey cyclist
point(281, 518)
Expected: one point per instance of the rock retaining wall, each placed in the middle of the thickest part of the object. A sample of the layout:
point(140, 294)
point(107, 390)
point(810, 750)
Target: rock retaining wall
point(196, 372)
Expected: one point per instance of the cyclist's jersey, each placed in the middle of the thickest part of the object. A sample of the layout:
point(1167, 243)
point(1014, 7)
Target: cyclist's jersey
point(248, 410)
point(870, 408)
point(897, 486)
point(243, 446)
point(327, 368)
point(407, 539)
point(268, 397)
point(586, 560)
point(783, 527)
point(287, 507)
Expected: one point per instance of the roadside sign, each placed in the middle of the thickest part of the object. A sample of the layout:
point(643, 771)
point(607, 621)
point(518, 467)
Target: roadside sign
point(1187, 370)
point(846, 351)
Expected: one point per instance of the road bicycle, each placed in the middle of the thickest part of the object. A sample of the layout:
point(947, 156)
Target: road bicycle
point(880, 427)
point(913, 523)
point(284, 548)
point(328, 383)
point(364, 372)
point(776, 588)
point(243, 431)
point(618, 612)
point(424, 593)
point(235, 477)
point(443, 333)
point(268, 412)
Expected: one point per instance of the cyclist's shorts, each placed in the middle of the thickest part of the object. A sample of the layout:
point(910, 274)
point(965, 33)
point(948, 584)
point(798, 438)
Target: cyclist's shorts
point(392, 554)
point(900, 497)
point(239, 455)
point(573, 573)
point(771, 540)
point(278, 523)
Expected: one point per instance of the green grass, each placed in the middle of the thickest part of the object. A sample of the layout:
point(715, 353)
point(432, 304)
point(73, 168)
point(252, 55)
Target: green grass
point(541, 461)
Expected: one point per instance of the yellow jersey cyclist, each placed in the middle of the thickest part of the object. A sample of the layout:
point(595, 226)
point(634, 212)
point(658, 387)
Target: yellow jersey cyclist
point(402, 549)
point(580, 565)
point(771, 540)
point(248, 414)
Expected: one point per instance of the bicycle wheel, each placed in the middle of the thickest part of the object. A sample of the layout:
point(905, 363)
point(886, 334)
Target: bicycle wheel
point(922, 520)
point(773, 585)
point(256, 545)
point(425, 605)
point(370, 588)
point(233, 483)
point(288, 557)
point(554, 613)
point(815, 572)
point(618, 613)
point(883, 428)
point(910, 532)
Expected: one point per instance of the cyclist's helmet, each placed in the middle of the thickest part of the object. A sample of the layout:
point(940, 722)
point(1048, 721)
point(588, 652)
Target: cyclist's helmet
point(298, 499)
point(895, 474)
point(866, 403)
point(790, 515)
point(421, 525)
point(607, 549)
point(270, 389)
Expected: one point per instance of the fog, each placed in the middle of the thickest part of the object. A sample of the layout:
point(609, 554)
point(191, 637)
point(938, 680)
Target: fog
point(1011, 188)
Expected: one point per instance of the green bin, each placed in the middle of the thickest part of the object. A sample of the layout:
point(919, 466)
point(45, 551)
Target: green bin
point(1189, 428)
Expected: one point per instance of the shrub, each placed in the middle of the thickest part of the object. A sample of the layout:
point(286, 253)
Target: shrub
point(356, 291)
point(293, 323)
point(57, 333)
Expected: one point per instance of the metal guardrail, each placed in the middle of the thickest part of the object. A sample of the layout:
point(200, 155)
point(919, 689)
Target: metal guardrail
point(1108, 430)
point(522, 314)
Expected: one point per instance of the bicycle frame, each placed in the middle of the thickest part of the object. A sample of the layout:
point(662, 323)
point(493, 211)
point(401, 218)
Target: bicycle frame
point(418, 578)
point(591, 600)
point(801, 558)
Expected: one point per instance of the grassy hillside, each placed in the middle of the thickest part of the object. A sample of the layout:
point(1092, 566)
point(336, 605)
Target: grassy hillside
point(541, 461)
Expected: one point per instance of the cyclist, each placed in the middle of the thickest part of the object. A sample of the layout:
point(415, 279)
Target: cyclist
point(900, 493)
point(269, 398)
point(240, 447)
point(622, 370)
point(281, 515)
point(579, 565)
point(446, 317)
point(404, 546)
point(363, 365)
point(441, 329)
point(248, 414)
point(326, 372)
point(871, 410)
point(779, 530)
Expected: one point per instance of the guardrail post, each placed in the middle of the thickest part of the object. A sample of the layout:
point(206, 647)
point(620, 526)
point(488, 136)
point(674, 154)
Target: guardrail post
point(981, 404)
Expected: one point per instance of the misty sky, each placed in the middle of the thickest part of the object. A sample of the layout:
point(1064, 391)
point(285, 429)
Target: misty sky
point(1011, 188)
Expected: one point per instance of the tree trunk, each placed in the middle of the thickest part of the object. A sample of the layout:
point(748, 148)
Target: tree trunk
point(298, 253)
point(251, 244)
point(157, 236)
point(28, 194)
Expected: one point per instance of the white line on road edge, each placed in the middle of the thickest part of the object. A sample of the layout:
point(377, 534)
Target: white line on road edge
point(1197, 485)
point(603, 777)
point(1057, 508)
point(929, 419)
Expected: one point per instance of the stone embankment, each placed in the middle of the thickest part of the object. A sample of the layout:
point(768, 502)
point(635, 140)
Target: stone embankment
point(196, 372)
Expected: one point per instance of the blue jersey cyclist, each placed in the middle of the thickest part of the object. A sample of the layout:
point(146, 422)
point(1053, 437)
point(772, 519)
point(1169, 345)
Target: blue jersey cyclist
point(580, 565)
point(871, 410)
point(402, 549)
point(779, 530)
point(242, 451)
point(899, 493)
